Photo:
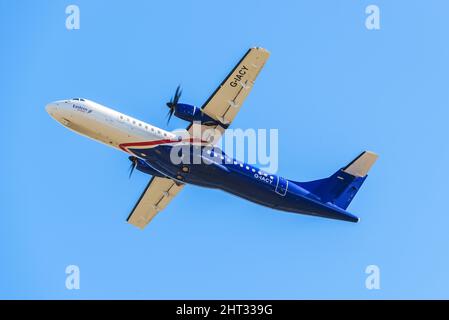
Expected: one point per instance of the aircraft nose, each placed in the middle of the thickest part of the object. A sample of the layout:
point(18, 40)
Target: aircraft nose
point(51, 108)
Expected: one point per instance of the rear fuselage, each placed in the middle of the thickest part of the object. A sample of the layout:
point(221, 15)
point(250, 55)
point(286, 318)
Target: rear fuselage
point(207, 166)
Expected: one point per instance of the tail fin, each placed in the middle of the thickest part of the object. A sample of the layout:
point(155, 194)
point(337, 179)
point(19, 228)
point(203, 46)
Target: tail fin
point(342, 186)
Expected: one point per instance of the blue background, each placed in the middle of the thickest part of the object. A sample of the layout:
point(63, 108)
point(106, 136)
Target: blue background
point(331, 87)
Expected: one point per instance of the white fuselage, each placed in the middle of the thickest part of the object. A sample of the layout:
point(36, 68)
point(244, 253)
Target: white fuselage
point(103, 124)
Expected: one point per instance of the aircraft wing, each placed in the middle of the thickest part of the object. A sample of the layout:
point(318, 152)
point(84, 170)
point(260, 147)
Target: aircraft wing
point(156, 196)
point(224, 104)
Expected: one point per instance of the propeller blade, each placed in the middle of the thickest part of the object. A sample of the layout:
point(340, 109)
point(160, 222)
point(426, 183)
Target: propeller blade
point(177, 95)
point(133, 165)
point(169, 114)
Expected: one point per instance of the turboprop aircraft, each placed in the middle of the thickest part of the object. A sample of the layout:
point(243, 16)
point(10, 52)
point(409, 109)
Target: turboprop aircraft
point(202, 163)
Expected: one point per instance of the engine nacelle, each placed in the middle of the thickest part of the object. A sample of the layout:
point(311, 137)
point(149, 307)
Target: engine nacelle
point(145, 168)
point(191, 113)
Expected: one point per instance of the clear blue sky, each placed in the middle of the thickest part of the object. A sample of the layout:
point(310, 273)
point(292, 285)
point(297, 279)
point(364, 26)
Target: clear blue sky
point(331, 87)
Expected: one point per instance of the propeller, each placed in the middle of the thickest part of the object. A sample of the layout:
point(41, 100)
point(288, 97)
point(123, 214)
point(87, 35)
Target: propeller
point(173, 102)
point(133, 165)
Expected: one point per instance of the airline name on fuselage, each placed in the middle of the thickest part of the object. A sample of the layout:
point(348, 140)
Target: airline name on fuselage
point(239, 76)
point(81, 108)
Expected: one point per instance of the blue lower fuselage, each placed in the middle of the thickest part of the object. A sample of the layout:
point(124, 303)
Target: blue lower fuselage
point(214, 169)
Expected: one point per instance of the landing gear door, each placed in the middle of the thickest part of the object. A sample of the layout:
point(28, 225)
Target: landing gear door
point(281, 186)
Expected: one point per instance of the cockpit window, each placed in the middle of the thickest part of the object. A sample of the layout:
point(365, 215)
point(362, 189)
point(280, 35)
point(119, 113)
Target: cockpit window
point(78, 99)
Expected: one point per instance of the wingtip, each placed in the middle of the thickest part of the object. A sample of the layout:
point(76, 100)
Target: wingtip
point(374, 154)
point(261, 49)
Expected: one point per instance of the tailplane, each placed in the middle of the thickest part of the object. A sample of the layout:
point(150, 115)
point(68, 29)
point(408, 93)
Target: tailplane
point(343, 185)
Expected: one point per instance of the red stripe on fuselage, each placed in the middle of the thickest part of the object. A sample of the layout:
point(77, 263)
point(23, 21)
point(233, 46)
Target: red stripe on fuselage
point(124, 146)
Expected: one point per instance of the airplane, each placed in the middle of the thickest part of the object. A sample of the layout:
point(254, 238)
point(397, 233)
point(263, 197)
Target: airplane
point(150, 150)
